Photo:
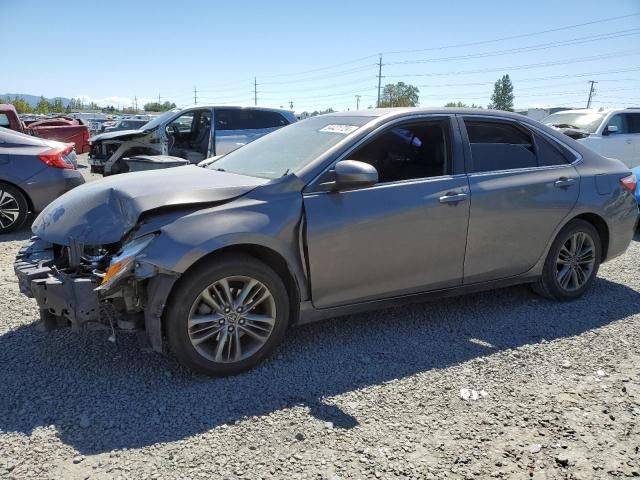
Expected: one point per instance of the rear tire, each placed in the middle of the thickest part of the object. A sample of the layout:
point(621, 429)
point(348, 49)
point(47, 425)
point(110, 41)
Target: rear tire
point(572, 263)
point(226, 316)
point(14, 208)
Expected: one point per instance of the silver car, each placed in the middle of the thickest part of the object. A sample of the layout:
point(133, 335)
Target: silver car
point(328, 216)
point(193, 134)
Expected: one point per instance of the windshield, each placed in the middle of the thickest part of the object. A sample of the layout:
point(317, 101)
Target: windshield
point(160, 119)
point(290, 148)
point(588, 122)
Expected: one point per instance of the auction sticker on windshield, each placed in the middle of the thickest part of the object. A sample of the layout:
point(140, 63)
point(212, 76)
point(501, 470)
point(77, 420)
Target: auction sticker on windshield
point(343, 129)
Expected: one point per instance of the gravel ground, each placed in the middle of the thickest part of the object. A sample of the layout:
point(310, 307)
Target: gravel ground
point(368, 396)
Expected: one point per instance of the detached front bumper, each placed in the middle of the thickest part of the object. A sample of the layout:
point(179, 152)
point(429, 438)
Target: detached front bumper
point(63, 296)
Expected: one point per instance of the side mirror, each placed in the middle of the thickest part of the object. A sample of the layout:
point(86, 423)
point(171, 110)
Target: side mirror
point(609, 129)
point(354, 174)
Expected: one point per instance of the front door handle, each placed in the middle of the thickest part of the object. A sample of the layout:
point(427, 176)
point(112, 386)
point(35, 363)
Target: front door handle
point(564, 182)
point(628, 140)
point(452, 197)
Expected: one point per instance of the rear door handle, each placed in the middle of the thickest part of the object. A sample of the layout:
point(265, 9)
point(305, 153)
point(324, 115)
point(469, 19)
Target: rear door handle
point(564, 182)
point(452, 197)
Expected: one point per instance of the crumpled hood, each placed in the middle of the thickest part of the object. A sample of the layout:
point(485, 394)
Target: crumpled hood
point(102, 212)
point(117, 134)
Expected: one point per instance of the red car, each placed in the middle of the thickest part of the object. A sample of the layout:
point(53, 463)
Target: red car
point(62, 129)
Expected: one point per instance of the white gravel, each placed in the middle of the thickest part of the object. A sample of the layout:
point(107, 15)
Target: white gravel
point(369, 396)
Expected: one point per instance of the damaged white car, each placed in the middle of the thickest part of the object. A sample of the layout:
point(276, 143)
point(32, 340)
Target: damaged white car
point(186, 133)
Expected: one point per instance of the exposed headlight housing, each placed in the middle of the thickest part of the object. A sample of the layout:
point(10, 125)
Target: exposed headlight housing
point(122, 264)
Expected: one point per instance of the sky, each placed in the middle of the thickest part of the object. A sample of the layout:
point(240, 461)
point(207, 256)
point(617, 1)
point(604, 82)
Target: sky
point(321, 54)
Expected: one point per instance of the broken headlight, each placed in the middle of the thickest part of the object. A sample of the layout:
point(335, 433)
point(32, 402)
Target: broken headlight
point(122, 264)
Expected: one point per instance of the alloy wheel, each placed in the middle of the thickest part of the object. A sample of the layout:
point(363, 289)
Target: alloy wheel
point(576, 261)
point(9, 209)
point(231, 319)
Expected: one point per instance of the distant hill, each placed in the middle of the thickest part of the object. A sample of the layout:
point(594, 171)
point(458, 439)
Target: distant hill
point(33, 99)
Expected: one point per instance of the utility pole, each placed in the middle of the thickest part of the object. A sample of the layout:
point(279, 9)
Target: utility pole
point(135, 99)
point(195, 96)
point(255, 91)
point(379, 80)
point(591, 92)
point(358, 102)
point(158, 99)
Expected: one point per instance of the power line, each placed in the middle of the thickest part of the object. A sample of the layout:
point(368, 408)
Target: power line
point(512, 37)
point(450, 46)
point(521, 67)
point(322, 77)
point(541, 46)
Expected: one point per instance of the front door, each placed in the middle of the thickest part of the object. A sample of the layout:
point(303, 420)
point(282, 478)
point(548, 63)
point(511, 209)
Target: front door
point(620, 144)
point(405, 234)
point(522, 187)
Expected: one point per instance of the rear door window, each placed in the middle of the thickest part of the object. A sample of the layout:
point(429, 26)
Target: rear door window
point(499, 146)
point(633, 120)
point(550, 153)
point(4, 120)
point(246, 119)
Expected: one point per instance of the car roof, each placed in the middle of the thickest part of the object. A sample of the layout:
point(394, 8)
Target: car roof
point(243, 107)
point(401, 111)
point(11, 136)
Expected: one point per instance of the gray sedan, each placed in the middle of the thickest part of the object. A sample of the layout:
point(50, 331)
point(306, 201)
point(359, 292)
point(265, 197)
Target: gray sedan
point(328, 216)
point(33, 172)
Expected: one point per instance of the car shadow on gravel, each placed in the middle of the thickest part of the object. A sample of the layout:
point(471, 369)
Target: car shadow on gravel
point(24, 233)
point(102, 396)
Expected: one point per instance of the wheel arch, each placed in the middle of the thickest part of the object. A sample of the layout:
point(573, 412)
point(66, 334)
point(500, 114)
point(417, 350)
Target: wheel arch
point(602, 228)
point(26, 195)
point(266, 255)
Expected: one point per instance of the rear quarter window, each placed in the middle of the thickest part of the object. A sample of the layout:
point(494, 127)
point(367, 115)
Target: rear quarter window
point(499, 146)
point(551, 153)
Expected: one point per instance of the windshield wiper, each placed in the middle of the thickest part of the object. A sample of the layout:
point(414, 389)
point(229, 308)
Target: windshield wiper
point(286, 172)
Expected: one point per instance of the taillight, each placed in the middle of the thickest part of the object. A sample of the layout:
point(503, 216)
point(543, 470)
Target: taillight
point(630, 182)
point(55, 157)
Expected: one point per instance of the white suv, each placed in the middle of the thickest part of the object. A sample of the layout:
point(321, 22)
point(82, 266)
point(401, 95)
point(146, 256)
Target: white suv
point(611, 133)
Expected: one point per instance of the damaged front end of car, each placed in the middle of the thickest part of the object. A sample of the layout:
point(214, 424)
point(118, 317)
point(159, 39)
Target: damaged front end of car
point(111, 286)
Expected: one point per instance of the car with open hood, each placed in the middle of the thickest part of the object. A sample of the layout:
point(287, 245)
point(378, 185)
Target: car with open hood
point(331, 215)
point(193, 133)
point(613, 133)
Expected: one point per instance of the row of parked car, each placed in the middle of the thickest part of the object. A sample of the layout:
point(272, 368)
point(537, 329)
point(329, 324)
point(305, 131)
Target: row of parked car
point(191, 135)
point(326, 216)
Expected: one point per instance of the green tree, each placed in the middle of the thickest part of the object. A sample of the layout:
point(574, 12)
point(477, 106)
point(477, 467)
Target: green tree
point(399, 95)
point(159, 107)
point(502, 98)
point(42, 106)
point(461, 105)
point(57, 106)
point(21, 105)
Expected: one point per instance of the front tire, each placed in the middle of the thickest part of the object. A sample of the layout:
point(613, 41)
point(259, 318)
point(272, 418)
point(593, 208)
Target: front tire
point(572, 264)
point(14, 208)
point(225, 317)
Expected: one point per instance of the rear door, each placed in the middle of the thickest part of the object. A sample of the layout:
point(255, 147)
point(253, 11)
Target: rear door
point(522, 186)
point(620, 144)
point(633, 120)
point(405, 234)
